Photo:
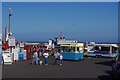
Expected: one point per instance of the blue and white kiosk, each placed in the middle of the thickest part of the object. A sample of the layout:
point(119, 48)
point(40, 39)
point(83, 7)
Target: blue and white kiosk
point(71, 49)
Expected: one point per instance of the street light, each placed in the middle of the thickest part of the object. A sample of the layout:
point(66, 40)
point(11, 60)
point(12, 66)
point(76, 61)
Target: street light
point(10, 14)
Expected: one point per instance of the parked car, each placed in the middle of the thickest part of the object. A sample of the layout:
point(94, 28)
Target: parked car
point(116, 68)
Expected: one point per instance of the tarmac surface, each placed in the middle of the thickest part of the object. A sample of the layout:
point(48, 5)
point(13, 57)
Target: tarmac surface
point(98, 68)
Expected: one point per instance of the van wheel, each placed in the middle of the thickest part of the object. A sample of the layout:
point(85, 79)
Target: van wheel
point(97, 56)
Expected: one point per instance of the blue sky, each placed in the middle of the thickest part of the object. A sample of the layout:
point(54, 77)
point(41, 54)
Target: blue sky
point(0, 17)
point(89, 21)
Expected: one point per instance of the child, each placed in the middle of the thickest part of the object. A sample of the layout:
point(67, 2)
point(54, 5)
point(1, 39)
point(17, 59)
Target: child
point(39, 61)
point(61, 58)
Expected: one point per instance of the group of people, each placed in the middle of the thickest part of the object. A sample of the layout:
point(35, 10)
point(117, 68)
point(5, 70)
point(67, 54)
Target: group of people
point(41, 56)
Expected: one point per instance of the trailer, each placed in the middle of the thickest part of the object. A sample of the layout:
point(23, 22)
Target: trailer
point(102, 50)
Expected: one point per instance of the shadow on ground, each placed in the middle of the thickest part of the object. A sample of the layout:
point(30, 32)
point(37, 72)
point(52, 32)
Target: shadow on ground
point(106, 63)
point(106, 77)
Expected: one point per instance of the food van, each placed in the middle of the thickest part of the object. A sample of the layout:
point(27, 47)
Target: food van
point(71, 50)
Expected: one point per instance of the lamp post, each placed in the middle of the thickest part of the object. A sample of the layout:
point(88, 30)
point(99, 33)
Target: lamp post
point(10, 14)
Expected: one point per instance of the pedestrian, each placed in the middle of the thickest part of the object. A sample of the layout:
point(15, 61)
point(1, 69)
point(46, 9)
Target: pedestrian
point(39, 61)
point(45, 56)
point(33, 51)
point(40, 51)
point(55, 57)
point(39, 56)
point(61, 59)
point(35, 56)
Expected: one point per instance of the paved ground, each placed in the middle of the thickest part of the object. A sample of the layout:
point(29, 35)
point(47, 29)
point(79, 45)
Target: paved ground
point(0, 71)
point(89, 68)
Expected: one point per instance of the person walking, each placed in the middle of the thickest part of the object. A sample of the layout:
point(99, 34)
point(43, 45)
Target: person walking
point(45, 56)
point(55, 57)
point(33, 51)
point(40, 51)
point(61, 59)
point(39, 55)
point(35, 56)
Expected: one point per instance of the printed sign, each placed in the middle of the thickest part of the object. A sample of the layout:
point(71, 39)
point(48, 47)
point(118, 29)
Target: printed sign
point(11, 41)
point(16, 54)
point(22, 44)
point(7, 58)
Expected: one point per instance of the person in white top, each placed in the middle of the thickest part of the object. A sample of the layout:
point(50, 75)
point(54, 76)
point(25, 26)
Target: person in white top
point(35, 56)
point(45, 55)
point(56, 54)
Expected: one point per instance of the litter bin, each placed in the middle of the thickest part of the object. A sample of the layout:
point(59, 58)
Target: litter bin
point(21, 57)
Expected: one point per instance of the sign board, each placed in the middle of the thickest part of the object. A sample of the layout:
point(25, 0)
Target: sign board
point(66, 41)
point(11, 41)
point(16, 54)
point(7, 58)
point(22, 44)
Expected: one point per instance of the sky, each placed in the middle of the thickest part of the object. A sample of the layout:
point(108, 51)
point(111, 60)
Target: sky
point(82, 21)
point(60, 0)
point(0, 17)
